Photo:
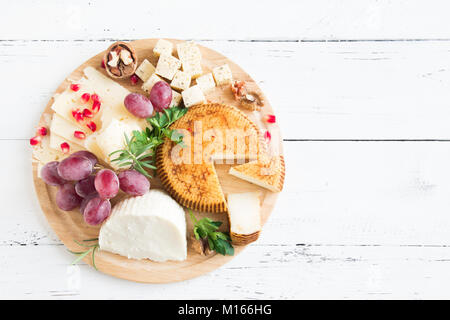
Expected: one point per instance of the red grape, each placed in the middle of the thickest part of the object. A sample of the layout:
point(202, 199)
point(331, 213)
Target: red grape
point(161, 95)
point(66, 197)
point(86, 154)
point(133, 182)
point(85, 201)
point(106, 183)
point(138, 105)
point(75, 168)
point(85, 187)
point(96, 211)
point(49, 174)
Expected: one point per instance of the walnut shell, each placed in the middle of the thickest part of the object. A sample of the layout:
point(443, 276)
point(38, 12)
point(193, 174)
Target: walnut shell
point(121, 71)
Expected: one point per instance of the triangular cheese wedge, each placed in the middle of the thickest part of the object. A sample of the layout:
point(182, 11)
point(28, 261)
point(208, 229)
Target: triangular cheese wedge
point(265, 172)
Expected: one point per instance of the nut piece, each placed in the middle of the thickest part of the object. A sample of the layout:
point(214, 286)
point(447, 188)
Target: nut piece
point(201, 246)
point(121, 60)
point(249, 100)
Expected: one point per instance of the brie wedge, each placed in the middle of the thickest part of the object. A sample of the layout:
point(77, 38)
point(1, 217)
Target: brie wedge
point(151, 226)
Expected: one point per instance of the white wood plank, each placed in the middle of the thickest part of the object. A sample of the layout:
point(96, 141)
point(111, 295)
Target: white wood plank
point(261, 272)
point(362, 90)
point(377, 193)
point(284, 19)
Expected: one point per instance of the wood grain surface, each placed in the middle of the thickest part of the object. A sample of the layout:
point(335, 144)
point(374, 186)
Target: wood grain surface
point(70, 226)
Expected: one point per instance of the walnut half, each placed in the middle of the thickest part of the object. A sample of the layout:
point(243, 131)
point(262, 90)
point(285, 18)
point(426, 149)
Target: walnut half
point(120, 60)
point(249, 100)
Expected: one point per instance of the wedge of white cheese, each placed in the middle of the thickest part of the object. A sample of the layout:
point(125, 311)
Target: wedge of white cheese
point(152, 226)
point(244, 216)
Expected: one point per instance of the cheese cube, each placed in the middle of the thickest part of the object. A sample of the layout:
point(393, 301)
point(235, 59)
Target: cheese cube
point(188, 50)
point(148, 85)
point(163, 47)
point(176, 99)
point(181, 81)
point(145, 70)
point(222, 74)
point(193, 96)
point(193, 67)
point(206, 82)
point(167, 66)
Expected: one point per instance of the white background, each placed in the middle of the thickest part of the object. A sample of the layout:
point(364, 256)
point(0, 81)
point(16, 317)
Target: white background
point(361, 91)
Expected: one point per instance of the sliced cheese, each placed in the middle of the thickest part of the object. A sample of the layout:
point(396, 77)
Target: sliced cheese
point(56, 141)
point(151, 226)
point(65, 129)
point(244, 216)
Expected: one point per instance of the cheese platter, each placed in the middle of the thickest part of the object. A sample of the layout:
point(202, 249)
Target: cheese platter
point(118, 171)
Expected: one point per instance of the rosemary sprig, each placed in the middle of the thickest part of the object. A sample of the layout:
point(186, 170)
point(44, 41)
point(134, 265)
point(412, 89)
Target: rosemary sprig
point(207, 229)
point(140, 148)
point(81, 254)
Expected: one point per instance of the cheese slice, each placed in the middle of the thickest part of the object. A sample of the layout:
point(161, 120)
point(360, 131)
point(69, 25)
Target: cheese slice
point(65, 129)
point(152, 226)
point(56, 141)
point(244, 216)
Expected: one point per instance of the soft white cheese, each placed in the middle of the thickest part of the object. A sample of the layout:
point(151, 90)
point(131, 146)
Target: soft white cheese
point(152, 226)
point(244, 212)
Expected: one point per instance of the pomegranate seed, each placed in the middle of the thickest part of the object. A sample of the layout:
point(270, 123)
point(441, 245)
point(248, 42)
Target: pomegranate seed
point(270, 118)
point(96, 106)
point(267, 136)
point(65, 148)
point(134, 79)
point(87, 113)
point(85, 97)
point(75, 87)
point(78, 115)
point(35, 140)
point(103, 64)
point(95, 97)
point(91, 125)
point(42, 131)
point(79, 135)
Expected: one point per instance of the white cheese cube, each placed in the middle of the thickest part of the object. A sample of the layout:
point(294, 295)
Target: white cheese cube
point(176, 99)
point(193, 67)
point(152, 226)
point(167, 66)
point(193, 96)
point(188, 50)
point(163, 47)
point(222, 74)
point(148, 85)
point(145, 70)
point(206, 82)
point(181, 81)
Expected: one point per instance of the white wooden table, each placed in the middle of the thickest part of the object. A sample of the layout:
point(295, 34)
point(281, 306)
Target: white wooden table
point(362, 93)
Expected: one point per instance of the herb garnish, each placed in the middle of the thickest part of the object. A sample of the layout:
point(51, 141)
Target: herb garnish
point(82, 254)
point(140, 149)
point(206, 229)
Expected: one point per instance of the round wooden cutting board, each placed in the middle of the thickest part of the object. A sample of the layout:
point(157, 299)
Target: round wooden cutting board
point(70, 226)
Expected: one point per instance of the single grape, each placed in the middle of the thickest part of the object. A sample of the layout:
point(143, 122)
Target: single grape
point(106, 183)
point(85, 187)
point(133, 182)
point(96, 211)
point(86, 154)
point(161, 95)
point(85, 201)
point(138, 105)
point(66, 197)
point(49, 174)
point(75, 168)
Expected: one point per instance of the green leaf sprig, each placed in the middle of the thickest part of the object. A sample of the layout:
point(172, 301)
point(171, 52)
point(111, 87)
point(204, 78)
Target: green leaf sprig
point(81, 254)
point(140, 148)
point(205, 228)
